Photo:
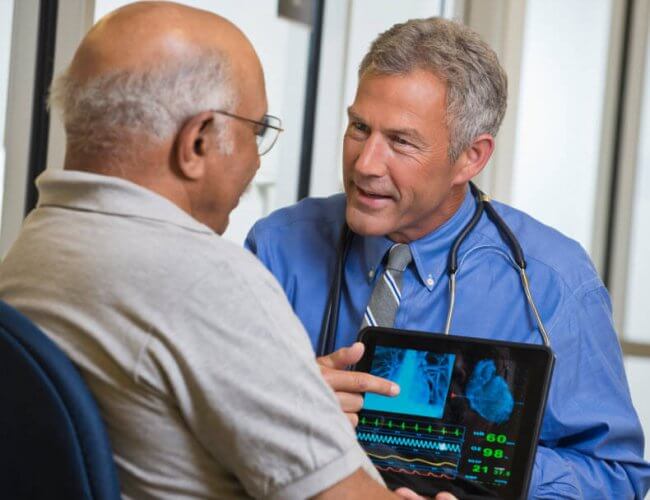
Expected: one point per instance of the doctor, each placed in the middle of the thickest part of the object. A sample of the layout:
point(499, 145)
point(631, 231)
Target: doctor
point(430, 100)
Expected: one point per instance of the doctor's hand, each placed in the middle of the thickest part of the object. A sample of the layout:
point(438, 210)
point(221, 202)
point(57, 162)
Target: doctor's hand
point(349, 386)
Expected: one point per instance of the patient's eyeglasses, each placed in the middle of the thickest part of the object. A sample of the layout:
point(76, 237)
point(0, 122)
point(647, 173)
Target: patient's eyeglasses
point(267, 130)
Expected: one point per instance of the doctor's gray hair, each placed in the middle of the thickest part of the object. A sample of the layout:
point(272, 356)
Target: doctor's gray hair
point(476, 83)
point(104, 114)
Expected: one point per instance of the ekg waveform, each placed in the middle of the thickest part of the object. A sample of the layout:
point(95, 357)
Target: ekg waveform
point(411, 442)
point(417, 427)
point(413, 472)
point(412, 460)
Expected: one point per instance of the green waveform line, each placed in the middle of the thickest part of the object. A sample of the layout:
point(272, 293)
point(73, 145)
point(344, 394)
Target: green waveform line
point(404, 426)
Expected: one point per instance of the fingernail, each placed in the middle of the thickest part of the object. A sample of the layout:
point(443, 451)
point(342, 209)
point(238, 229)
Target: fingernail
point(394, 389)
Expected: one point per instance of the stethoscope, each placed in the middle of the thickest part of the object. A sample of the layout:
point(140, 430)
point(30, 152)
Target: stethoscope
point(330, 319)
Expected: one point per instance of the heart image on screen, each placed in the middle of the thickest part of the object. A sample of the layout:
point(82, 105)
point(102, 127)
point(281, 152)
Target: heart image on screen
point(488, 393)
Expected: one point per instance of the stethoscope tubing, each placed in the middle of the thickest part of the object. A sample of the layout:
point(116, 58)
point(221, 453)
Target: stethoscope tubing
point(327, 337)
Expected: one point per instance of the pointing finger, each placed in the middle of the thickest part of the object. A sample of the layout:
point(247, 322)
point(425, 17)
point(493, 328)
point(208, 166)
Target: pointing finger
point(359, 382)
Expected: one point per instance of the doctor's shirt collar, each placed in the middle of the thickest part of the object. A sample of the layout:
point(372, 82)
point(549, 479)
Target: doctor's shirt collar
point(429, 252)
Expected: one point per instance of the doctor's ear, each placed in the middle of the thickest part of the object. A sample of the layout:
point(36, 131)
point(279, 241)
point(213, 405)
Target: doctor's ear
point(472, 161)
point(192, 144)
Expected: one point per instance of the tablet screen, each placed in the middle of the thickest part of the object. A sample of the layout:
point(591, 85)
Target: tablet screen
point(467, 416)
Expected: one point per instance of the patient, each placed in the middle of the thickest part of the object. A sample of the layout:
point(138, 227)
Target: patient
point(204, 377)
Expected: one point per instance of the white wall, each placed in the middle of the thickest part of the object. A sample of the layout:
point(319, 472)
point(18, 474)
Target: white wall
point(23, 31)
point(637, 312)
point(561, 101)
point(6, 14)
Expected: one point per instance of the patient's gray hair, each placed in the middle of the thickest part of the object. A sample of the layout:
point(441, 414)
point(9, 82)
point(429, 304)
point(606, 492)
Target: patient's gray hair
point(103, 115)
point(476, 83)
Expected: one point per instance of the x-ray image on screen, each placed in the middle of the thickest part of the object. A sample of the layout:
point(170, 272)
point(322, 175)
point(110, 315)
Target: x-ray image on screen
point(423, 377)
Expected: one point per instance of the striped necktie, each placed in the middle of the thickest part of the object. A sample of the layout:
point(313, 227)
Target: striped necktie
point(387, 293)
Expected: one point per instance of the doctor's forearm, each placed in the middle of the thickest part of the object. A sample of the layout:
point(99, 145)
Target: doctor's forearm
point(567, 474)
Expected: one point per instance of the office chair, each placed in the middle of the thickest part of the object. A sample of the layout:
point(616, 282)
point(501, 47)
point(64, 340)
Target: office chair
point(53, 444)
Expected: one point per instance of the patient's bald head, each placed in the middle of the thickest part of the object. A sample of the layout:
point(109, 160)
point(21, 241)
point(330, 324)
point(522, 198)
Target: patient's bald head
point(144, 34)
point(149, 65)
point(138, 97)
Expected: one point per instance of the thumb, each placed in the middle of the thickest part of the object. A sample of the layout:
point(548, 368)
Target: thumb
point(344, 357)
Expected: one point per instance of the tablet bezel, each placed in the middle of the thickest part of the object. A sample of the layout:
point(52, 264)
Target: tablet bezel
point(539, 358)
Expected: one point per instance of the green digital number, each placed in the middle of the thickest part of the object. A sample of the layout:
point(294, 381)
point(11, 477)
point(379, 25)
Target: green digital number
point(493, 452)
point(499, 438)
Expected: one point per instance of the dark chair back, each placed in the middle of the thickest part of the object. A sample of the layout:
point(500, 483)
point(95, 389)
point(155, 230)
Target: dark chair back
point(52, 439)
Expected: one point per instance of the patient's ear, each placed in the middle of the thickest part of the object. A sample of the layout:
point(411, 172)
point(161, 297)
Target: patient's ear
point(192, 145)
point(472, 161)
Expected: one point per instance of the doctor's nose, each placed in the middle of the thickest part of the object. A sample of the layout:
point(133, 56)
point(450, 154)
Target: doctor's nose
point(372, 157)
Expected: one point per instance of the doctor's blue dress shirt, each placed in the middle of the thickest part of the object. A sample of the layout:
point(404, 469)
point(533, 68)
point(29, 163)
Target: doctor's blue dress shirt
point(591, 443)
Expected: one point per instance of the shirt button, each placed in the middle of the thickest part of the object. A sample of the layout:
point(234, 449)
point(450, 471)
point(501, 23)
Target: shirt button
point(430, 281)
point(371, 273)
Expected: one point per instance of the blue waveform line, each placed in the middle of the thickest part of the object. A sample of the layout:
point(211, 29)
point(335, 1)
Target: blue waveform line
point(411, 442)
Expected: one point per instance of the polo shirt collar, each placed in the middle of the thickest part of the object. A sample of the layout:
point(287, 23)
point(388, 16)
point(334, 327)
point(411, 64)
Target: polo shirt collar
point(111, 195)
point(430, 253)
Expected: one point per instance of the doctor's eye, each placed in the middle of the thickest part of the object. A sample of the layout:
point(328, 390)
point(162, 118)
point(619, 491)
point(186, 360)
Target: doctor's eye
point(358, 129)
point(400, 142)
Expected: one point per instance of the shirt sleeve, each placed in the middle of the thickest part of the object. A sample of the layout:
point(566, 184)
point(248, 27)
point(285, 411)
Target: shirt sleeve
point(591, 444)
point(248, 386)
point(257, 242)
point(250, 242)
point(253, 245)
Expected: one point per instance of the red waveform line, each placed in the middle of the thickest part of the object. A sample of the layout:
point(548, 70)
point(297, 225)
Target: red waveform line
point(414, 472)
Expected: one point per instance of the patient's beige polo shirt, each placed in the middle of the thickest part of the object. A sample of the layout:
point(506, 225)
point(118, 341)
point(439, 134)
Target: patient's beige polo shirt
point(203, 374)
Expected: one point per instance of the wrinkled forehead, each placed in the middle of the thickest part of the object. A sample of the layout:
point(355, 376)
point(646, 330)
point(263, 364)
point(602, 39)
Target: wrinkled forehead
point(400, 99)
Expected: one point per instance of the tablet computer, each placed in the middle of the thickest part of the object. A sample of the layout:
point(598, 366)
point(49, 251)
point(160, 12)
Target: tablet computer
point(467, 417)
